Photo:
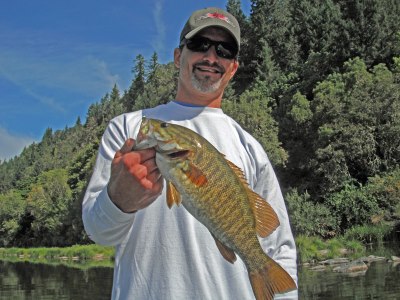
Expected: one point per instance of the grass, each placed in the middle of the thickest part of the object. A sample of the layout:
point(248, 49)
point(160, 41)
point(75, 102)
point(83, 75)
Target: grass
point(369, 233)
point(77, 253)
point(310, 249)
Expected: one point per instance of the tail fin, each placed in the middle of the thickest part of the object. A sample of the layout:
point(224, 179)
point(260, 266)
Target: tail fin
point(270, 280)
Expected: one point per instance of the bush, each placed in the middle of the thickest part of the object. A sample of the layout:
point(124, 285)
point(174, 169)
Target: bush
point(369, 233)
point(386, 190)
point(309, 218)
point(353, 206)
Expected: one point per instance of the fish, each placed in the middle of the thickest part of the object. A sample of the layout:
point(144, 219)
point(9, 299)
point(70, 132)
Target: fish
point(215, 191)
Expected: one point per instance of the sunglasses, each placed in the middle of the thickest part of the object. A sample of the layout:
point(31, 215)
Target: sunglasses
point(202, 44)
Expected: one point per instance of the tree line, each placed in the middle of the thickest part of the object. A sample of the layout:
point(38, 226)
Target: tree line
point(318, 85)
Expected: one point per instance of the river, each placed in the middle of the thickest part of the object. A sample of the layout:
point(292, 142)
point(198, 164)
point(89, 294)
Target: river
point(23, 280)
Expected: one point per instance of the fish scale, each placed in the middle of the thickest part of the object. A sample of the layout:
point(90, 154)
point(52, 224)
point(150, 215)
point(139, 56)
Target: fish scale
point(217, 194)
point(228, 207)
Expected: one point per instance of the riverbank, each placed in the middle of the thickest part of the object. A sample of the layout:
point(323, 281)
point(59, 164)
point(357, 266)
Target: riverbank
point(344, 256)
point(311, 251)
point(95, 255)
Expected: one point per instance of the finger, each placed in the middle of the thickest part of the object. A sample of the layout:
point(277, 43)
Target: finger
point(146, 183)
point(150, 164)
point(146, 154)
point(155, 186)
point(139, 171)
point(127, 146)
point(154, 176)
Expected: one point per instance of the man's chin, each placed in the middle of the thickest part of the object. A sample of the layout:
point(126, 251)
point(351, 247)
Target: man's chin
point(206, 88)
point(206, 84)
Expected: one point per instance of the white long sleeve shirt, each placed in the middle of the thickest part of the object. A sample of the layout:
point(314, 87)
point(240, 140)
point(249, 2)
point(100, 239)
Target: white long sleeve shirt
point(164, 253)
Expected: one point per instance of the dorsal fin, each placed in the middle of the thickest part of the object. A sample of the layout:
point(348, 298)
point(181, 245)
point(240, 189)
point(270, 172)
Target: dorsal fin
point(266, 219)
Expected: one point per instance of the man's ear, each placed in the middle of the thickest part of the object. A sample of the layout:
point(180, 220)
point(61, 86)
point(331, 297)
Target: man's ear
point(234, 67)
point(177, 57)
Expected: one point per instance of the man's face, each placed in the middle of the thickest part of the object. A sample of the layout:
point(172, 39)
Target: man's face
point(205, 72)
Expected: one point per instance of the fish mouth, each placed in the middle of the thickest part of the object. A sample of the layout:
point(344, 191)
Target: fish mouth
point(177, 154)
point(143, 142)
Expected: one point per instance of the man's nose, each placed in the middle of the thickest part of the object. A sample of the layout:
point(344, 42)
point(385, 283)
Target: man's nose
point(211, 54)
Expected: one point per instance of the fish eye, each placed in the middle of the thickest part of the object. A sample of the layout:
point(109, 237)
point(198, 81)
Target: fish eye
point(164, 125)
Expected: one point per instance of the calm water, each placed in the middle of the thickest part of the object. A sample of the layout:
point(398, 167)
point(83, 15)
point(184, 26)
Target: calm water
point(381, 281)
point(22, 281)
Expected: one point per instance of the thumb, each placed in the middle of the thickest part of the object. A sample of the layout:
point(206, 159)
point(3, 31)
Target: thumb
point(126, 147)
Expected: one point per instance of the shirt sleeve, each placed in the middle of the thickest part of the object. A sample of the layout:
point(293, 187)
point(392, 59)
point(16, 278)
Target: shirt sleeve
point(104, 222)
point(280, 245)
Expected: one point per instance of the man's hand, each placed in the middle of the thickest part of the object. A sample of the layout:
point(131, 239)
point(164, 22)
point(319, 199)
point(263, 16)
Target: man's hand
point(135, 180)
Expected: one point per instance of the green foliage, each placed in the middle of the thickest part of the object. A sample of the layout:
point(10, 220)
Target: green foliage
point(354, 127)
point(368, 234)
point(48, 203)
point(308, 217)
point(385, 189)
point(82, 252)
point(12, 209)
point(138, 83)
point(353, 205)
point(253, 113)
point(311, 248)
point(299, 110)
point(160, 89)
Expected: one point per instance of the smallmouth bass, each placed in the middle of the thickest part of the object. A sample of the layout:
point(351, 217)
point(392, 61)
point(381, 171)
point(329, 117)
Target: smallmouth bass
point(216, 193)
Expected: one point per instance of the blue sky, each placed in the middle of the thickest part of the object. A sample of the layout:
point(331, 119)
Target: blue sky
point(58, 57)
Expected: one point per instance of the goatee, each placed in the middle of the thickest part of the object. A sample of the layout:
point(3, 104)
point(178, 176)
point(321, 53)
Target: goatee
point(206, 84)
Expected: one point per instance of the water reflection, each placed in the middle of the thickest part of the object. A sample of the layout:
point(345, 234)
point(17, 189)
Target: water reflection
point(381, 281)
point(23, 280)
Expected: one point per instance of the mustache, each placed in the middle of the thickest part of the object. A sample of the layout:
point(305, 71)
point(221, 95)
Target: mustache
point(214, 65)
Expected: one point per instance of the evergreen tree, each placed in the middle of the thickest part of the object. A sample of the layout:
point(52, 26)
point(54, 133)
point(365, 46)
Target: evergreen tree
point(372, 28)
point(160, 89)
point(244, 74)
point(138, 82)
point(152, 67)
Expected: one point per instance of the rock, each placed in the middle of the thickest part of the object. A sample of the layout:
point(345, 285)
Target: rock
point(324, 252)
point(357, 266)
point(396, 258)
point(318, 268)
point(335, 261)
point(371, 258)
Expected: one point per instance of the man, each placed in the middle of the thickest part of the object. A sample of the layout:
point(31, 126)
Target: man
point(165, 253)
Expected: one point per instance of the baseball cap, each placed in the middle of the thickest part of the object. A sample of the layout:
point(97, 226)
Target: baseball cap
point(208, 17)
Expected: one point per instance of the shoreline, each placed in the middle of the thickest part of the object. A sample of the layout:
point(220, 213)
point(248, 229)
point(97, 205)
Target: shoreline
point(81, 256)
point(339, 259)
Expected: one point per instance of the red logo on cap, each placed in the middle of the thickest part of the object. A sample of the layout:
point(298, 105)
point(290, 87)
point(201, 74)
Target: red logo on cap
point(216, 16)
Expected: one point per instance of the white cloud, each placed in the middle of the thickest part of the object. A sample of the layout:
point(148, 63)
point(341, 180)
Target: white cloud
point(158, 42)
point(12, 145)
point(37, 63)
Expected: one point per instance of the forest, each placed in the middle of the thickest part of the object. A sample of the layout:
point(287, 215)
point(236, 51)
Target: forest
point(318, 86)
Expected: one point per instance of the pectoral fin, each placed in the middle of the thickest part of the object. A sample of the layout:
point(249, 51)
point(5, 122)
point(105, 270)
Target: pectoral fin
point(196, 176)
point(226, 252)
point(173, 196)
point(266, 219)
